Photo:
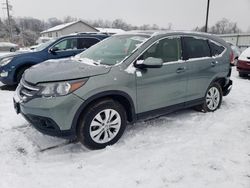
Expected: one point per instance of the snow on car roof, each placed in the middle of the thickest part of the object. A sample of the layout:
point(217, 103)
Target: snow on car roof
point(246, 52)
point(109, 30)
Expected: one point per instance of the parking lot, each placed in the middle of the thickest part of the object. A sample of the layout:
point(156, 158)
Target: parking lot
point(182, 149)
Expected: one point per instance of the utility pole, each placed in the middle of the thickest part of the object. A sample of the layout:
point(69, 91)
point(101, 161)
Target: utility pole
point(206, 25)
point(8, 8)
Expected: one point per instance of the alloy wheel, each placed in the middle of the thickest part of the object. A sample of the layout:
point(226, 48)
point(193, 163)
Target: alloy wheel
point(213, 98)
point(105, 126)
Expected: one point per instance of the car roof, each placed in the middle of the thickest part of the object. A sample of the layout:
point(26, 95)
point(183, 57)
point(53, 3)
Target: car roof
point(85, 34)
point(88, 34)
point(162, 32)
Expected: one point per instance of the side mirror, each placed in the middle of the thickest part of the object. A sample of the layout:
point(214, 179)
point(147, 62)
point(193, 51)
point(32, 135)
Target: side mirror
point(53, 50)
point(150, 62)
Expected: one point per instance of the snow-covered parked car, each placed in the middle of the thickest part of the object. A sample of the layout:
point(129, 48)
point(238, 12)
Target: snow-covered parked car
point(243, 65)
point(124, 78)
point(8, 46)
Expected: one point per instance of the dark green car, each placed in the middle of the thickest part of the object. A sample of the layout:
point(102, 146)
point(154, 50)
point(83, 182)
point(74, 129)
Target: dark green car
point(126, 77)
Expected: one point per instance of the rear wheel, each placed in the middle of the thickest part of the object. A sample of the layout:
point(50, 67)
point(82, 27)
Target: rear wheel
point(213, 98)
point(102, 124)
point(12, 50)
point(242, 74)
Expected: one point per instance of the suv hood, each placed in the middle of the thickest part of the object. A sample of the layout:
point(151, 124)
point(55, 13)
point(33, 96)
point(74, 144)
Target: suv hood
point(63, 69)
point(12, 54)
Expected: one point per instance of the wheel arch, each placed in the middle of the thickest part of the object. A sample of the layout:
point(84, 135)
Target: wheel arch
point(25, 65)
point(221, 81)
point(123, 98)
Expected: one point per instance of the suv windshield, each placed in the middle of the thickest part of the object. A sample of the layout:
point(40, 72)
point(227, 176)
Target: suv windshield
point(44, 45)
point(113, 50)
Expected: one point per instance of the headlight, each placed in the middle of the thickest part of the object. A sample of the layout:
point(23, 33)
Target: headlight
point(56, 89)
point(5, 61)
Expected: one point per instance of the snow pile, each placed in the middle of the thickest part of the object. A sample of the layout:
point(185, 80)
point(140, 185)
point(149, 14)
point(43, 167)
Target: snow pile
point(183, 149)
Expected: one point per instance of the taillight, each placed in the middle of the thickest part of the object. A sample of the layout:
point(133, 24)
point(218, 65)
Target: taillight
point(231, 57)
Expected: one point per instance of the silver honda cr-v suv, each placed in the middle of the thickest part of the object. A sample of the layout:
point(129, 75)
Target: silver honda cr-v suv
point(129, 76)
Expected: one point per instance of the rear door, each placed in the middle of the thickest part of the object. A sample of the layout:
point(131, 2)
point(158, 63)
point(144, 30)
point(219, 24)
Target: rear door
point(201, 66)
point(165, 86)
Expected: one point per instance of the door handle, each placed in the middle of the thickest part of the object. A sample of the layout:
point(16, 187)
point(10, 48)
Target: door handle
point(214, 63)
point(181, 69)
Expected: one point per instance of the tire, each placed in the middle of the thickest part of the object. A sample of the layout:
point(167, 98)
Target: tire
point(19, 74)
point(213, 99)
point(242, 75)
point(12, 50)
point(94, 129)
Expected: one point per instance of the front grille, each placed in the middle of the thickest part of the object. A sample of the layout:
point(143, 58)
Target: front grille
point(26, 90)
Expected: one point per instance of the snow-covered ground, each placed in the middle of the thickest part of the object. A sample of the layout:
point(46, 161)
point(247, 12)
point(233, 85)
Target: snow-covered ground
point(186, 149)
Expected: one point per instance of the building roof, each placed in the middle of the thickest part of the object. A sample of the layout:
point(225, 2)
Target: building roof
point(109, 30)
point(62, 26)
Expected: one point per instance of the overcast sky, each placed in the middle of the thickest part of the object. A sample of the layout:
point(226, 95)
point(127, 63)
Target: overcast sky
point(183, 14)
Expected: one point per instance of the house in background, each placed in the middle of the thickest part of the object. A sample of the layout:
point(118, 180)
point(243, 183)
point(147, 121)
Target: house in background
point(68, 28)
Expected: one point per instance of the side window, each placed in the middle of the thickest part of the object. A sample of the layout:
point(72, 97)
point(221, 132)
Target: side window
point(195, 48)
point(216, 49)
point(84, 43)
point(168, 50)
point(67, 44)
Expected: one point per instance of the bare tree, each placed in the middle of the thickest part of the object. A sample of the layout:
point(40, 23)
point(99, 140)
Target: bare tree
point(224, 26)
point(26, 30)
point(68, 19)
point(54, 22)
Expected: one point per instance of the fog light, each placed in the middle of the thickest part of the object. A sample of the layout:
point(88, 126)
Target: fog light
point(3, 74)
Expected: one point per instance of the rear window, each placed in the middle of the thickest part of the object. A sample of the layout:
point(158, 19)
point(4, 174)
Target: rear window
point(216, 49)
point(196, 48)
point(84, 43)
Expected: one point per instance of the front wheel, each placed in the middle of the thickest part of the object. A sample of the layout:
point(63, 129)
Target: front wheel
point(19, 73)
point(102, 124)
point(213, 99)
point(12, 50)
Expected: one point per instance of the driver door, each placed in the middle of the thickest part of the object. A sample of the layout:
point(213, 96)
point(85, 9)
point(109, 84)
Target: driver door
point(64, 48)
point(166, 86)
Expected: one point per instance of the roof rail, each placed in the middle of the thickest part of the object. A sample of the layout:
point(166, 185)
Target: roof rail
point(91, 33)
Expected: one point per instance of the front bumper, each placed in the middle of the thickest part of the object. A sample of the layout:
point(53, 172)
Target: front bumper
point(244, 71)
point(51, 116)
point(243, 66)
point(7, 77)
point(48, 126)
